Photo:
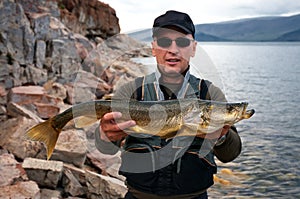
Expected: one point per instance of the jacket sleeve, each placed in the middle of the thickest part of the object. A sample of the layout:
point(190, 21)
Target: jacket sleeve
point(232, 146)
point(105, 147)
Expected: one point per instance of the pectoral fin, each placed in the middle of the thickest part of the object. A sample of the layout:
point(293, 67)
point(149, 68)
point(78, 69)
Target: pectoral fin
point(188, 129)
point(84, 121)
point(191, 129)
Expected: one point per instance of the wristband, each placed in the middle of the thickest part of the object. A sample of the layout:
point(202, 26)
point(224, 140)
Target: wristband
point(221, 140)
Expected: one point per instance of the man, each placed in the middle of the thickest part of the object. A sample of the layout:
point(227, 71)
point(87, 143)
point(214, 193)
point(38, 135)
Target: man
point(168, 168)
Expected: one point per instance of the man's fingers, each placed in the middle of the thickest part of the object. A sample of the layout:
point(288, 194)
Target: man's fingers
point(115, 127)
point(111, 130)
point(111, 116)
point(125, 125)
point(108, 122)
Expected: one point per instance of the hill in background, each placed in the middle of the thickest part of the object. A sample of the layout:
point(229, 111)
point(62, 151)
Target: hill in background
point(252, 29)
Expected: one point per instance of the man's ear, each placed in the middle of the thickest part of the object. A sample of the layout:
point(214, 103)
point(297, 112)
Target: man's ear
point(194, 49)
point(153, 49)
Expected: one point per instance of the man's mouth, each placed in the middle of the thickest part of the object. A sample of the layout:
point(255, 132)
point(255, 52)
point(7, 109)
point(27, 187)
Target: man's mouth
point(173, 60)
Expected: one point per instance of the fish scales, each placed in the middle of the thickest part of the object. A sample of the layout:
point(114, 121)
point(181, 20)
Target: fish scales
point(160, 118)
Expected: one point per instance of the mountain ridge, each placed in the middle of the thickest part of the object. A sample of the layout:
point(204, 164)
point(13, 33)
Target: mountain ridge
point(257, 29)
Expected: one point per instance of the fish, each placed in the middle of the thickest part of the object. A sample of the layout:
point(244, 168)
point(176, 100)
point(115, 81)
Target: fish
point(166, 119)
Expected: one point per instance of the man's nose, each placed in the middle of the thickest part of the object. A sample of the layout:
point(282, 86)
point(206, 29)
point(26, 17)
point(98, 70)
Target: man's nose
point(173, 48)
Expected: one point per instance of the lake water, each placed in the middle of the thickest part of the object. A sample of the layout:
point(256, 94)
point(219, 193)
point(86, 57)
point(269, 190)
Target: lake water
point(267, 76)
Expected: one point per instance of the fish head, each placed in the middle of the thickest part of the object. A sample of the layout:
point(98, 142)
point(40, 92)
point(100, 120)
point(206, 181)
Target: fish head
point(235, 112)
point(230, 113)
point(216, 115)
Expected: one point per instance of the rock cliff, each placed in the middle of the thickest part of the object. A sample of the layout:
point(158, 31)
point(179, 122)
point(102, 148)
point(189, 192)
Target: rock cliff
point(89, 18)
point(53, 54)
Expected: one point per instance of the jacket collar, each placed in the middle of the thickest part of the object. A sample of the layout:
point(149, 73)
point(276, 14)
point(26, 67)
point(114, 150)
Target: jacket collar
point(181, 93)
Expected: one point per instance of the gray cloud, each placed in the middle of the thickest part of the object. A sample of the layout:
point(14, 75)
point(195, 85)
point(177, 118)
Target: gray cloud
point(136, 15)
point(269, 7)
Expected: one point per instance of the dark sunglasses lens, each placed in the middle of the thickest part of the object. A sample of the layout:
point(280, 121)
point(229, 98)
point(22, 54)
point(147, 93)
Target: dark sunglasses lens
point(167, 42)
point(182, 42)
point(164, 42)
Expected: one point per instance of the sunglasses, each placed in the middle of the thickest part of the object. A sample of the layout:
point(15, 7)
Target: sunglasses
point(166, 42)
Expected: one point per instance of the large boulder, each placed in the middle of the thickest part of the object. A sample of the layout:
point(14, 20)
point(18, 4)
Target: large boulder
point(45, 173)
point(90, 18)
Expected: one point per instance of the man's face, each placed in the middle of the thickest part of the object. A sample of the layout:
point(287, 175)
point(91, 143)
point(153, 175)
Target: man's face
point(173, 58)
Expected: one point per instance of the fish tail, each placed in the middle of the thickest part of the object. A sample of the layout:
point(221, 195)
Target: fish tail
point(46, 133)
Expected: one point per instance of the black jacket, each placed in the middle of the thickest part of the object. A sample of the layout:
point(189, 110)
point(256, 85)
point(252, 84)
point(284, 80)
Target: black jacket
point(178, 170)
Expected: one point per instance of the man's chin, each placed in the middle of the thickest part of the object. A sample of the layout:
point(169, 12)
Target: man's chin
point(172, 73)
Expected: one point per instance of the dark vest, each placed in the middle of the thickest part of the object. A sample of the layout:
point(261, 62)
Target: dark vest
point(146, 92)
point(177, 150)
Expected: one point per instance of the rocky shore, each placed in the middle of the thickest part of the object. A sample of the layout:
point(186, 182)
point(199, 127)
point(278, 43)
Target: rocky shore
point(54, 54)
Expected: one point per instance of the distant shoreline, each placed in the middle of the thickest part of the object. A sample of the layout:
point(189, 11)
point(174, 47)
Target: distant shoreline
point(261, 29)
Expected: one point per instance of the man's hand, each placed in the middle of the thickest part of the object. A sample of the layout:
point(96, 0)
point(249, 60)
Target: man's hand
point(112, 131)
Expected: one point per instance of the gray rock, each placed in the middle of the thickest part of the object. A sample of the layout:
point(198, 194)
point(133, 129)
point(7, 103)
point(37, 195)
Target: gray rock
point(16, 32)
point(72, 185)
point(35, 99)
point(12, 138)
point(40, 53)
point(56, 41)
point(45, 173)
point(10, 170)
point(15, 110)
point(21, 190)
point(100, 186)
point(71, 147)
point(78, 173)
point(50, 194)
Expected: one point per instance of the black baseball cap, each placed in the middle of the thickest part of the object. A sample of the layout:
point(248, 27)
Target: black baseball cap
point(176, 19)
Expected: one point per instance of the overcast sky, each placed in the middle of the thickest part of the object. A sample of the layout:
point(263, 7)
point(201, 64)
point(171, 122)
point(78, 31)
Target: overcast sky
point(137, 14)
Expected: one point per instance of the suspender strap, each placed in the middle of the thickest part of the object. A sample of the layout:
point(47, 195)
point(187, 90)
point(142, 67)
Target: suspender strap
point(140, 91)
point(200, 86)
point(203, 85)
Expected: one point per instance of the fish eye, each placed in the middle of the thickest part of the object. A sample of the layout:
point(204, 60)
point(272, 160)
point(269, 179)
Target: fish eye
point(232, 108)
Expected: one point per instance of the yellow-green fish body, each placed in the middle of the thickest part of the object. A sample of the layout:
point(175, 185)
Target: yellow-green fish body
point(184, 117)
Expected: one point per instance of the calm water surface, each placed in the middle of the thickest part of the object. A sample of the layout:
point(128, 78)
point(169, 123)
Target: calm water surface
point(267, 76)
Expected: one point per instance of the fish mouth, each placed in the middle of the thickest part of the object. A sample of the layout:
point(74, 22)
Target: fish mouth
point(249, 113)
point(245, 114)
